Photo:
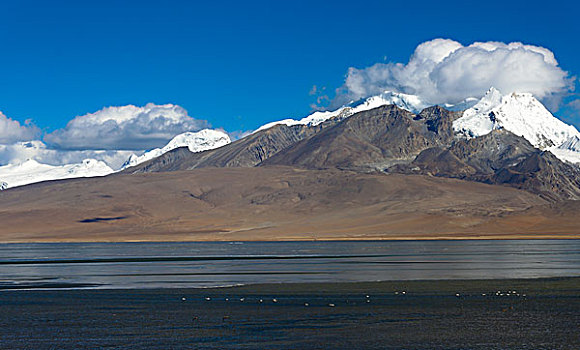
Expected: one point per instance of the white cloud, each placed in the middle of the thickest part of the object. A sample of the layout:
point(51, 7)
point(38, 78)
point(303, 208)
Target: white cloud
point(111, 135)
point(125, 128)
point(444, 71)
point(12, 131)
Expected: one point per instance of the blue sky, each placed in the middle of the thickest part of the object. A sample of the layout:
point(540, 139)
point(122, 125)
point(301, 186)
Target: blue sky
point(238, 64)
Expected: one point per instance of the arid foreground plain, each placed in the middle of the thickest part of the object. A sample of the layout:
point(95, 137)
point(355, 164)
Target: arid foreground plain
point(277, 203)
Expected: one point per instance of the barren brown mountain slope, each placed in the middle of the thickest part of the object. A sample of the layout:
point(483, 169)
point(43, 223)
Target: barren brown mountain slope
point(276, 203)
point(391, 139)
point(246, 152)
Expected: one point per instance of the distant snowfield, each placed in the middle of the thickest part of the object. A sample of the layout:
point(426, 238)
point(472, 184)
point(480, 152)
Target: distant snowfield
point(519, 113)
point(32, 171)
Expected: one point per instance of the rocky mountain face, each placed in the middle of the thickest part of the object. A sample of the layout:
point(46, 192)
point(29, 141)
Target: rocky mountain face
point(500, 158)
point(371, 140)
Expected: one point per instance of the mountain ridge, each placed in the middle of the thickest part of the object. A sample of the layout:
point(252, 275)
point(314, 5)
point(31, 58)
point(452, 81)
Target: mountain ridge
point(246, 152)
point(383, 135)
point(516, 112)
point(393, 140)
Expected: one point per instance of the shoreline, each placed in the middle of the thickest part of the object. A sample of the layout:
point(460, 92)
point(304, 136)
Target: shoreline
point(509, 237)
point(423, 285)
point(308, 287)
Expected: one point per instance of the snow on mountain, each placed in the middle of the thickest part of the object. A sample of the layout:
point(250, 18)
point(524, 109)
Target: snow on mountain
point(519, 113)
point(31, 171)
point(477, 121)
point(196, 142)
point(572, 144)
point(569, 150)
point(411, 103)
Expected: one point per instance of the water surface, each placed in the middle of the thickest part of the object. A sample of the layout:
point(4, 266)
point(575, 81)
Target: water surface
point(199, 265)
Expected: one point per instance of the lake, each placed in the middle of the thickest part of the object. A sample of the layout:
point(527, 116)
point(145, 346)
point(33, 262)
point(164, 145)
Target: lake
point(216, 264)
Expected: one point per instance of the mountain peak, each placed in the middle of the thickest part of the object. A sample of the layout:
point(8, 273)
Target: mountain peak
point(411, 103)
point(198, 141)
point(492, 91)
point(195, 141)
point(520, 113)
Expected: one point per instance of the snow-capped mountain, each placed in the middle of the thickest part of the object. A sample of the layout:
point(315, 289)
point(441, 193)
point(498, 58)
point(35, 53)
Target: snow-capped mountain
point(196, 142)
point(523, 115)
point(40, 165)
point(31, 171)
point(519, 113)
point(411, 103)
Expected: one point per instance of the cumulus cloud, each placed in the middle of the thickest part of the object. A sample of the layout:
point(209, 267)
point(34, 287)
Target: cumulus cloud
point(444, 71)
point(125, 128)
point(12, 131)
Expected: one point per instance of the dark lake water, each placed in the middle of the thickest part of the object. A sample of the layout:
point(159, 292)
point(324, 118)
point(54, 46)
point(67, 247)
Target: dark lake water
point(199, 265)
